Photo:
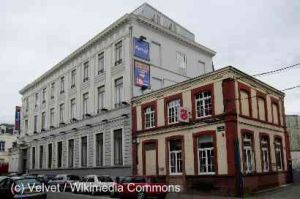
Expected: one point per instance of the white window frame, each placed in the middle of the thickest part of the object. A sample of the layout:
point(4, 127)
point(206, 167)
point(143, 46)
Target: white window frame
point(52, 116)
point(52, 90)
point(177, 154)
point(278, 149)
point(248, 154)
point(61, 113)
point(86, 71)
point(73, 108)
point(181, 60)
point(85, 104)
point(73, 78)
point(43, 120)
point(119, 91)
point(2, 146)
point(101, 97)
point(101, 62)
point(201, 98)
point(118, 52)
point(68, 153)
point(265, 154)
point(206, 151)
point(149, 115)
point(172, 111)
point(62, 84)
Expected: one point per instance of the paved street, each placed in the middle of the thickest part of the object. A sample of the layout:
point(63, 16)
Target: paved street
point(288, 192)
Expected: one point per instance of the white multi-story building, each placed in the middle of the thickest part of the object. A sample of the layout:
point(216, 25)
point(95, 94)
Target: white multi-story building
point(7, 137)
point(76, 117)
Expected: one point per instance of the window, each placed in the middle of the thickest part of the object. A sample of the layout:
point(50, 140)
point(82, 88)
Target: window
point(35, 123)
point(2, 146)
point(118, 53)
point(245, 102)
point(85, 104)
point(275, 113)
point(73, 78)
point(61, 113)
point(73, 107)
point(33, 158)
point(149, 117)
point(36, 99)
point(26, 126)
point(101, 63)
point(62, 85)
point(181, 60)
point(84, 151)
point(26, 104)
point(51, 117)
point(70, 153)
point(118, 147)
point(43, 120)
point(205, 154)
point(52, 90)
point(265, 154)
point(173, 107)
point(41, 157)
point(101, 92)
point(248, 153)
point(261, 108)
point(203, 103)
point(278, 153)
point(59, 154)
point(99, 149)
point(49, 156)
point(175, 156)
point(118, 91)
point(44, 95)
point(86, 71)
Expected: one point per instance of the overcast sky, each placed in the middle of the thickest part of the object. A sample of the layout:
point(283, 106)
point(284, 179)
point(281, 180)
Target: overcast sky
point(254, 36)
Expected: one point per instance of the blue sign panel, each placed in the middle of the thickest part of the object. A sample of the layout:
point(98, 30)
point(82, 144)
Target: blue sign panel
point(142, 74)
point(17, 118)
point(141, 49)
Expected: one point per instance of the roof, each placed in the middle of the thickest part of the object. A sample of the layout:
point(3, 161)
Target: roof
point(104, 33)
point(214, 73)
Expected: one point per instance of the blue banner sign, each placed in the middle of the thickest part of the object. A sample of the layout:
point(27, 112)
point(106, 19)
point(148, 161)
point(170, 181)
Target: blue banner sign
point(17, 118)
point(141, 49)
point(141, 74)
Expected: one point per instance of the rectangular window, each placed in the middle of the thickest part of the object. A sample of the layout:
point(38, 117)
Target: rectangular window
point(275, 113)
point(101, 63)
point(181, 60)
point(26, 104)
point(41, 156)
point(62, 85)
point(248, 153)
point(49, 156)
point(265, 154)
point(261, 108)
point(44, 96)
point(73, 78)
point(173, 107)
point(85, 104)
point(59, 154)
point(278, 154)
point(73, 108)
point(52, 91)
point(35, 123)
point(101, 92)
point(118, 147)
point(86, 71)
point(52, 117)
point(2, 146)
point(118, 91)
point(36, 99)
point(203, 104)
point(175, 157)
point(33, 158)
point(70, 153)
point(26, 126)
point(61, 113)
point(245, 103)
point(206, 155)
point(118, 53)
point(149, 117)
point(84, 151)
point(99, 149)
point(43, 120)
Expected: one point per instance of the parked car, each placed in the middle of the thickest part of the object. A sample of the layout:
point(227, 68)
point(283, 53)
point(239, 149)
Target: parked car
point(64, 181)
point(97, 184)
point(45, 178)
point(7, 190)
point(150, 183)
point(2, 178)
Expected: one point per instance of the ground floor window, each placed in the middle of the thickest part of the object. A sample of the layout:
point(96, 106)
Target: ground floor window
point(206, 155)
point(84, 151)
point(118, 147)
point(278, 153)
point(99, 149)
point(59, 154)
point(33, 158)
point(49, 155)
point(248, 154)
point(70, 152)
point(41, 156)
point(175, 157)
point(265, 154)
